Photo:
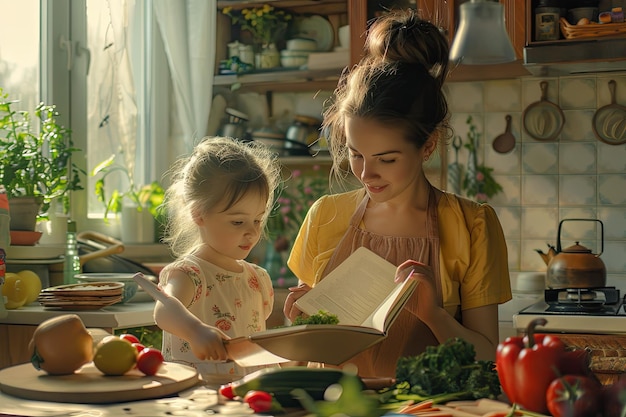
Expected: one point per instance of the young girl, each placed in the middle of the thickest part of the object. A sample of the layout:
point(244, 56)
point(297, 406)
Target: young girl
point(217, 208)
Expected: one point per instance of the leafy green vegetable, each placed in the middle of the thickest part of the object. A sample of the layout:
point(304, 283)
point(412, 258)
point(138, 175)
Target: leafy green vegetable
point(322, 317)
point(444, 373)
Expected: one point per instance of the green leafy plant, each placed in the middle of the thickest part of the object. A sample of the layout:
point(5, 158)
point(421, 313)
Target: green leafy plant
point(36, 154)
point(478, 181)
point(148, 196)
point(264, 23)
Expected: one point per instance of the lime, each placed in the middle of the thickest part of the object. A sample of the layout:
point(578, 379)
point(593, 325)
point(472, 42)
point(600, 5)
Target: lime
point(115, 356)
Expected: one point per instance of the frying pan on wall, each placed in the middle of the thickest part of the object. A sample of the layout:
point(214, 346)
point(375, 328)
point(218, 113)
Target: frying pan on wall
point(543, 120)
point(609, 122)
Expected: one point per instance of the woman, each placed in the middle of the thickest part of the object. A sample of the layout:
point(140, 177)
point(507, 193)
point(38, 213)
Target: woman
point(386, 118)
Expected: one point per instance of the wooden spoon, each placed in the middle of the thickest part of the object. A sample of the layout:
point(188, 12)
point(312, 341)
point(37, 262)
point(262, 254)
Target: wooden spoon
point(505, 142)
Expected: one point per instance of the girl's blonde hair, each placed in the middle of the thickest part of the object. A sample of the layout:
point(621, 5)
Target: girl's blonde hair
point(220, 171)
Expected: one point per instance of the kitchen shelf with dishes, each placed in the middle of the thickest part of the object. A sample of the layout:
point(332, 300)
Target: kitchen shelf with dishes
point(281, 45)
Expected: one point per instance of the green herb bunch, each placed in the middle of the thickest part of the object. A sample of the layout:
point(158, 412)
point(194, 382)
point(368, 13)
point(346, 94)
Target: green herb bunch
point(478, 181)
point(443, 373)
point(264, 23)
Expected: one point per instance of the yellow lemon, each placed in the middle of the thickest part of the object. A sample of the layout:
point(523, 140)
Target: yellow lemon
point(14, 291)
point(31, 283)
point(115, 356)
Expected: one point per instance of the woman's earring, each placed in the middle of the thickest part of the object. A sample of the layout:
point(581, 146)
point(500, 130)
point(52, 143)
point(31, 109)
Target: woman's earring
point(426, 158)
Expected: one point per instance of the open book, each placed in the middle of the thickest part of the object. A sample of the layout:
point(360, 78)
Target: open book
point(361, 292)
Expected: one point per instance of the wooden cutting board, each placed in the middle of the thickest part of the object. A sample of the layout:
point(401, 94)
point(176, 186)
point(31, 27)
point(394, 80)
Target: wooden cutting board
point(88, 385)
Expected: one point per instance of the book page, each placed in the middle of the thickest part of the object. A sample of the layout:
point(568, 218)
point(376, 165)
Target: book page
point(386, 313)
point(353, 290)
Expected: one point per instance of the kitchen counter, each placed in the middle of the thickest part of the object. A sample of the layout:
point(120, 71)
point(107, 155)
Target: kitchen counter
point(17, 328)
point(573, 323)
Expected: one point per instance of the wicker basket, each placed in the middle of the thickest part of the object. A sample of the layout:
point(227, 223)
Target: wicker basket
point(591, 30)
point(608, 353)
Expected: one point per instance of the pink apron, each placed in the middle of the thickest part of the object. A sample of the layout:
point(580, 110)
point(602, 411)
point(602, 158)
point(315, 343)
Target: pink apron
point(408, 335)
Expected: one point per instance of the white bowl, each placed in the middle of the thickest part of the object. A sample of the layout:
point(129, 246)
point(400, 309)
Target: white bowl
point(293, 61)
point(301, 44)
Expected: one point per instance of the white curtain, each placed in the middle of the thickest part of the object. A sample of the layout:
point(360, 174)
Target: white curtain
point(188, 28)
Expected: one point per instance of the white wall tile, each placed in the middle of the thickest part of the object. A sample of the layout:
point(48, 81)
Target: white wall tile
point(578, 126)
point(577, 190)
point(578, 92)
point(577, 158)
point(510, 194)
point(611, 159)
point(539, 222)
point(614, 219)
point(465, 97)
point(540, 158)
point(540, 190)
point(503, 96)
point(510, 221)
point(612, 189)
point(613, 256)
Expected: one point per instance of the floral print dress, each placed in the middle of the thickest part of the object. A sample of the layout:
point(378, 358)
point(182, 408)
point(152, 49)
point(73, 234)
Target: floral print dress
point(236, 303)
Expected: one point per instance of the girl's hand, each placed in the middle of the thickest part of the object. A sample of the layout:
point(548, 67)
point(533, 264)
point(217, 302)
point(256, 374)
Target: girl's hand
point(289, 309)
point(208, 343)
point(426, 291)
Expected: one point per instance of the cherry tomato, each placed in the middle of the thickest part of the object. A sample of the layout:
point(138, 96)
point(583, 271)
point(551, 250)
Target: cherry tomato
point(574, 396)
point(259, 401)
point(131, 338)
point(149, 360)
point(138, 346)
point(227, 391)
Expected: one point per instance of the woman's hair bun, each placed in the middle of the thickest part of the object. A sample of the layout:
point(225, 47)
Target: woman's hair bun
point(403, 36)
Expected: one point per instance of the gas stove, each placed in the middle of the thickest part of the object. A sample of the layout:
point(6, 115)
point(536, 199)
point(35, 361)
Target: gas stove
point(577, 310)
point(604, 301)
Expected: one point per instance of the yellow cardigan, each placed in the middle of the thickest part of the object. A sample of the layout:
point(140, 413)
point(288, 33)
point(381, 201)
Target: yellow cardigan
point(473, 254)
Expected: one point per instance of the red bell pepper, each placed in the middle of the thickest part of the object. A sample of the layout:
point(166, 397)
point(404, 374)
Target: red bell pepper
point(527, 365)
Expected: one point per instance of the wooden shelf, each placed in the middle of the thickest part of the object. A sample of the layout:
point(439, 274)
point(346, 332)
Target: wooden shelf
point(281, 80)
point(299, 6)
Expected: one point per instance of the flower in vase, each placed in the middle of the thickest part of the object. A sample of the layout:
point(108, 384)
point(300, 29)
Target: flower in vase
point(266, 23)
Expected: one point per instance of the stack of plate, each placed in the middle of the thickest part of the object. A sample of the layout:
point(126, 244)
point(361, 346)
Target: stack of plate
point(91, 296)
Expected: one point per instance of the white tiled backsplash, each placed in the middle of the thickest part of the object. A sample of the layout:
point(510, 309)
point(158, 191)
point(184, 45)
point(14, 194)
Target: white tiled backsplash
point(574, 176)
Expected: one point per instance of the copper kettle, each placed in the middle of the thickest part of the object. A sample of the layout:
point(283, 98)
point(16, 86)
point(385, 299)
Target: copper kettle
point(575, 266)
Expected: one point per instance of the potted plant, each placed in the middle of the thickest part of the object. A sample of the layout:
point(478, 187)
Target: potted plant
point(35, 161)
point(138, 204)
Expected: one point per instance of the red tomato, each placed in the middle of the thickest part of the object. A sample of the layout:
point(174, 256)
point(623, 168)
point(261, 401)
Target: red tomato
point(138, 346)
point(614, 397)
point(574, 396)
point(227, 391)
point(259, 401)
point(130, 338)
point(149, 360)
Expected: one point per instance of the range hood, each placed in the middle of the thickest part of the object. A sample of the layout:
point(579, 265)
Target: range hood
point(576, 57)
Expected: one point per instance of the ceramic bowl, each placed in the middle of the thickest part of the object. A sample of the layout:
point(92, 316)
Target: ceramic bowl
point(24, 237)
point(294, 61)
point(301, 44)
point(130, 286)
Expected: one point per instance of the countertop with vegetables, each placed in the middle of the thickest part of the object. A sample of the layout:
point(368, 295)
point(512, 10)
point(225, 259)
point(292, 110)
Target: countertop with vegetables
point(533, 375)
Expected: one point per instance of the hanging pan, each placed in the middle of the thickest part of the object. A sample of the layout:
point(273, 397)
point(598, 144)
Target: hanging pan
point(543, 119)
point(609, 122)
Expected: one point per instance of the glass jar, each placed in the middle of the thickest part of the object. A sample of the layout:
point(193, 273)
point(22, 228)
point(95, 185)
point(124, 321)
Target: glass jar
point(547, 14)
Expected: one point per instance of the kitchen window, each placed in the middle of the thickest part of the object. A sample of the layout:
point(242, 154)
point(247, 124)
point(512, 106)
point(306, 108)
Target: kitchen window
point(104, 65)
